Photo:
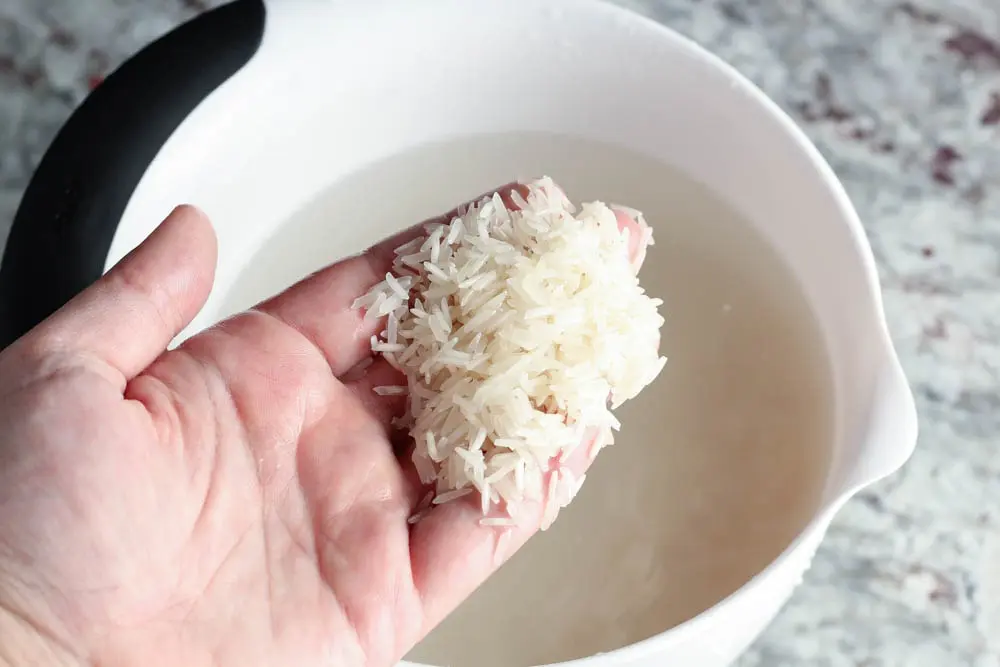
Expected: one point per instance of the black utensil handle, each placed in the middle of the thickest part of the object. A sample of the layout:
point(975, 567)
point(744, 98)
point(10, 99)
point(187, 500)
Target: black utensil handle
point(66, 221)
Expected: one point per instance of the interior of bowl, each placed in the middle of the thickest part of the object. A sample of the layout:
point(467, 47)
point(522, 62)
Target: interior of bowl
point(719, 465)
point(727, 457)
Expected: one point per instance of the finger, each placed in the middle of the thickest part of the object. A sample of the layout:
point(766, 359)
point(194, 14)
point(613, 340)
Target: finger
point(128, 317)
point(321, 306)
point(639, 236)
point(452, 553)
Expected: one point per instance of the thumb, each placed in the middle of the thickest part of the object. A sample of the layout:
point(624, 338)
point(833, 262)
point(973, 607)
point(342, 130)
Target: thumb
point(128, 317)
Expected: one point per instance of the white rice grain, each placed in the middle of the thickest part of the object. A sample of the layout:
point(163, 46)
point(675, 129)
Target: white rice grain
point(497, 521)
point(390, 391)
point(449, 496)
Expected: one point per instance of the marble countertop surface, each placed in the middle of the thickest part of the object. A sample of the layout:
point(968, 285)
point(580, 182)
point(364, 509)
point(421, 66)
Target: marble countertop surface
point(903, 98)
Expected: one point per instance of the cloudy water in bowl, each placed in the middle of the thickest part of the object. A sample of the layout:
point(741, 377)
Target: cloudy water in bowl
point(719, 464)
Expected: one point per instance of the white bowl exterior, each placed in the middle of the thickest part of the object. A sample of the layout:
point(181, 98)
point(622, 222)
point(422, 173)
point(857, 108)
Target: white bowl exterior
point(324, 96)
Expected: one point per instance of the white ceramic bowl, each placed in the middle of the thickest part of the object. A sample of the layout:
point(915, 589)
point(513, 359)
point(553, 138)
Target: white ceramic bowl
point(331, 86)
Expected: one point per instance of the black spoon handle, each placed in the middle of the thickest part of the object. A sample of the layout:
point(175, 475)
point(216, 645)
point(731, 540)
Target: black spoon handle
point(64, 227)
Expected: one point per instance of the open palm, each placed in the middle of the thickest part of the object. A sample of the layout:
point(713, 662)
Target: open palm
point(235, 501)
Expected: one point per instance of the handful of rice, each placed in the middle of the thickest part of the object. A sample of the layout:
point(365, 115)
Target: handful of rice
point(519, 329)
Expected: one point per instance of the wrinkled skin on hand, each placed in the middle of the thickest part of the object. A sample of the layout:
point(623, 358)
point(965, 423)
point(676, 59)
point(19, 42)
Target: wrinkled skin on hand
point(234, 501)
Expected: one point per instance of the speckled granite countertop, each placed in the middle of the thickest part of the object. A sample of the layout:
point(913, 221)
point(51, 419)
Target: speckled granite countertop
point(903, 98)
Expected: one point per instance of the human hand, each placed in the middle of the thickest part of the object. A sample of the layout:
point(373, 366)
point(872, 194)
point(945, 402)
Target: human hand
point(235, 501)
